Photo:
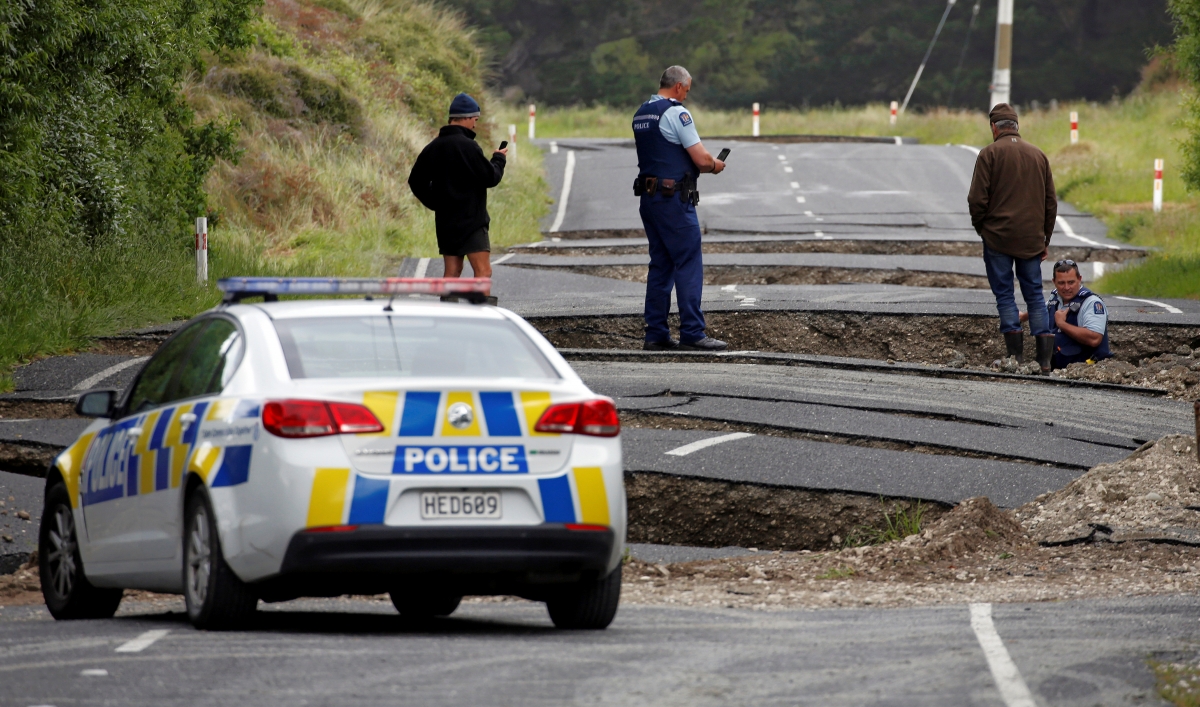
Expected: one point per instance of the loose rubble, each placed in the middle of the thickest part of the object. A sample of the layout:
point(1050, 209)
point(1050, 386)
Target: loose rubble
point(1177, 373)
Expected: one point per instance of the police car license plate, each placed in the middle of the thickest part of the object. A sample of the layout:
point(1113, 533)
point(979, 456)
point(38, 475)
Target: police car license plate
point(460, 504)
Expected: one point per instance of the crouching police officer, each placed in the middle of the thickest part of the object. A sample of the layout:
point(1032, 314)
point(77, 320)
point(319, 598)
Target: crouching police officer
point(670, 157)
point(1078, 319)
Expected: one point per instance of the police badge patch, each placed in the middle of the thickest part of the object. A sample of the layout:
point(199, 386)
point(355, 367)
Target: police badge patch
point(1098, 308)
point(685, 118)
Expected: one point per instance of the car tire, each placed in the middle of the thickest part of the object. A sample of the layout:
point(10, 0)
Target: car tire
point(422, 606)
point(65, 587)
point(589, 605)
point(216, 598)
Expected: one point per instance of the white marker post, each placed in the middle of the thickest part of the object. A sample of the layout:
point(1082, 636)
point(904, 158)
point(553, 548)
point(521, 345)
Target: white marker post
point(202, 250)
point(1002, 62)
point(895, 107)
point(1158, 169)
point(532, 119)
point(512, 141)
point(754, 124)
point(1074, 128)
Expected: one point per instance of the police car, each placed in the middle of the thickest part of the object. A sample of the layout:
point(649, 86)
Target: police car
point(319, 447)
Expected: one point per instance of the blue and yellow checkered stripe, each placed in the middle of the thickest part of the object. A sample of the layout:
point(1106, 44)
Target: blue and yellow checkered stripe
point(422, 413)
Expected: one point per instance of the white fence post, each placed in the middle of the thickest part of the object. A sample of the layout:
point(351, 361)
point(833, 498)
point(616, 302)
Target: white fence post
point(1074, 128)
point(895, 107)
point(1158, 170)
point(532, 119)
point(754, 124)
point(512, 141)
point(202, 249)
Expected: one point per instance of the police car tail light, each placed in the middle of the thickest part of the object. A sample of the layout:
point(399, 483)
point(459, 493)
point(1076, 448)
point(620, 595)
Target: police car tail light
point(597, 418)
point(314, 418)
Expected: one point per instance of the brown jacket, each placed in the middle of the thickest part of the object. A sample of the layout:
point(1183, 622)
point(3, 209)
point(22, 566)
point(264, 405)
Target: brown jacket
point(1012, 200)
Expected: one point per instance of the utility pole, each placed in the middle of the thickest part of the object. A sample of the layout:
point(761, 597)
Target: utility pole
point(1002, 64)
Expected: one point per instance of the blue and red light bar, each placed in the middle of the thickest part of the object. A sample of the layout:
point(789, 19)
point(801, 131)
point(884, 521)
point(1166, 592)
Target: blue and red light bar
point(237, 288)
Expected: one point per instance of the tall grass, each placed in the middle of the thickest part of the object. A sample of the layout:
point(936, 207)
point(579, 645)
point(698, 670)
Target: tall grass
point(1108, 173)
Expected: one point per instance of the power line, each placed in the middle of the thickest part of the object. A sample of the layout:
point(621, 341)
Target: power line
point(921, 68)
point(963, 57)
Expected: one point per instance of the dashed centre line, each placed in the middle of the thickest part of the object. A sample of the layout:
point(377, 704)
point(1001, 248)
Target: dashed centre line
point(705, 443)
point(143, 641)
point(1013, 689)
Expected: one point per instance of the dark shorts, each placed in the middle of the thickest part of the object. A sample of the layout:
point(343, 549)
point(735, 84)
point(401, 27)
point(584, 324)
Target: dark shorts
point(477, 242)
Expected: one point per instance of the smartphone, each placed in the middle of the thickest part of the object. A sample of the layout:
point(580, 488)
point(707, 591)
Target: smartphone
point(723, 154)
point(503, 144)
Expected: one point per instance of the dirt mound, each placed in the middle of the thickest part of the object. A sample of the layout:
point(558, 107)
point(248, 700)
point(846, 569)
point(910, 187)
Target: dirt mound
point(1149, 495)
point(1178, 373)
point(975, 525)
point(22, 587)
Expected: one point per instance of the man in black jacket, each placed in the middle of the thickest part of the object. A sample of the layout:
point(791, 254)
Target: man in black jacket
point(451, 177)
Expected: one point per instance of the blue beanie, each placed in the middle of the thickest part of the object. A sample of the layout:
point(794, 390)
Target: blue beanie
point(463, 106)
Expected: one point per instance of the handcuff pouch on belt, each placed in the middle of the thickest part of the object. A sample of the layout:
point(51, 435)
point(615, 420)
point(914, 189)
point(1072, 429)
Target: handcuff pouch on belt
point(686, 188)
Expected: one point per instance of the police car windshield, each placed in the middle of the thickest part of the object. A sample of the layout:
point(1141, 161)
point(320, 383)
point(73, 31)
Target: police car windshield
point(410, 347)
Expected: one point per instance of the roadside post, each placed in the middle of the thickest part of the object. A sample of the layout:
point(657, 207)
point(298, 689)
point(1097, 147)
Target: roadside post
point(1158, 170)
point(202, 249)
point(1074, 128)
point(895, 107)
point(512, 140)
point(754, 124)
point(1002, 61)
point(532, 119)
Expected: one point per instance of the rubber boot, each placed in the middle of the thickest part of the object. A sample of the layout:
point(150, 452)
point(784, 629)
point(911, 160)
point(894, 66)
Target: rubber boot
point(1045, 353)
point(1014, 344)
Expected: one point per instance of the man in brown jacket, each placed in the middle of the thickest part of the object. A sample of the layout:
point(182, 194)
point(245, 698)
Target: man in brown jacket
point(1013, 208)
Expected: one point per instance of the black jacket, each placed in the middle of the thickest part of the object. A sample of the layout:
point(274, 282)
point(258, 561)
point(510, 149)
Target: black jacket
point(451, 177)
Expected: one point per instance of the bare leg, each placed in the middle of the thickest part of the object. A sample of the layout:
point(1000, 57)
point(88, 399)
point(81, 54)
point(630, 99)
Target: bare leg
point(454, 265)
point(481, 264)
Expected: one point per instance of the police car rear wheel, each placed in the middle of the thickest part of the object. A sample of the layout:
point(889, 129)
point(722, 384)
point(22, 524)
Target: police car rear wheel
point(216, 598)
point(413, 606)
point(68, 593)
point(588, 605)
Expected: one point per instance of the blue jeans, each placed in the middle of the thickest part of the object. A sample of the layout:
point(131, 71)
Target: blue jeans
point(1029, 273)
point(675, 262)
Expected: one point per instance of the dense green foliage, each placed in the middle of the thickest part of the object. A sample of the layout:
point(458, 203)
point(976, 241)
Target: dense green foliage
point(101, 163)
point(1187, 62)
point(804, 52)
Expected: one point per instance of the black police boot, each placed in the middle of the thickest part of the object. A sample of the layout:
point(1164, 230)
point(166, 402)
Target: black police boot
point(706, 344)
point(1014, 345)
point(1045, 353)
point(668, 345)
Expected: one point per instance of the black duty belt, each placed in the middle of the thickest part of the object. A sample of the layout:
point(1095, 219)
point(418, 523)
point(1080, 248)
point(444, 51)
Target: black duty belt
point(685, 188)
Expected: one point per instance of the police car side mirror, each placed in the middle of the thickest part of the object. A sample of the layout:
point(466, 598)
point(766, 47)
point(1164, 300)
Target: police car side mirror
point(97, 403)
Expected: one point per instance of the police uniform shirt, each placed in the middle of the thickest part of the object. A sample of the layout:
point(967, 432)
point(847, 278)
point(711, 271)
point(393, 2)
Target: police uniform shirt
point(676, 125)
point(1092, 314)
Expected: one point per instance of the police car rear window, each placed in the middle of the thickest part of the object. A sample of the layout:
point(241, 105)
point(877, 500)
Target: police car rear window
point(409, 347)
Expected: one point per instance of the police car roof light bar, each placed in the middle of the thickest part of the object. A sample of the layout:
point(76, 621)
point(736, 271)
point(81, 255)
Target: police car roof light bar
point(236, 289)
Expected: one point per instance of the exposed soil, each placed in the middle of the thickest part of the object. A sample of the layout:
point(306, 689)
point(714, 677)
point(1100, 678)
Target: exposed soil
point(856, 246)
point(127, 345)
point(672, 510)
point(36, 410)
point(666, 420)
point(787, 275)
point(598, 233)
point(1177, 373)
point(908, 338)
point(30, 459)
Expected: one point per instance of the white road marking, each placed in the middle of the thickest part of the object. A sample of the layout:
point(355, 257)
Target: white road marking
point(821, 234)
point(808, 213)
point(1008, 679)
point(704, 443)
point(749, 302)
point(1066, 229)
point(729, 288)
point(788, 170)
point(795, 185)
point(800, 200)
point(503, 258)
point(1169, 308)
point(568, 175)
point(143, 641)
point(422, 267)
point(969, 148)
point(553, 147)
point(782, 157)
point(887, 192)
point(111, 370)
point(94, 673)
point(898, 140)
point(1097, 270)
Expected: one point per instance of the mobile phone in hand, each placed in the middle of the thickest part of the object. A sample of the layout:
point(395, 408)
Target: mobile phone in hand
point(723, 154)
point(503, 144)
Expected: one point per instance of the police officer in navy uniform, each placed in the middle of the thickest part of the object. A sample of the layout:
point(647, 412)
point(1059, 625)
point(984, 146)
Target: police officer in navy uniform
point(670, 157)
point(1078, 318)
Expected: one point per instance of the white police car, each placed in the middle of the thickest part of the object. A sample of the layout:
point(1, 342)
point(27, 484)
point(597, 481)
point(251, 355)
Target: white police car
point(323, 447)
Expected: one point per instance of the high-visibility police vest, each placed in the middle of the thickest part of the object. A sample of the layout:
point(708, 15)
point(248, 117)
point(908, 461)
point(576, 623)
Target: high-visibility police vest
point(657, 156)
point(1067, 349)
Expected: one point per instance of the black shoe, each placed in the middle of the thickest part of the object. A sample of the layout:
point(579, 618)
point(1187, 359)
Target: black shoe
point(1045, 352)
point(668, 345)
point(1014, 345)
point(706, 344)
